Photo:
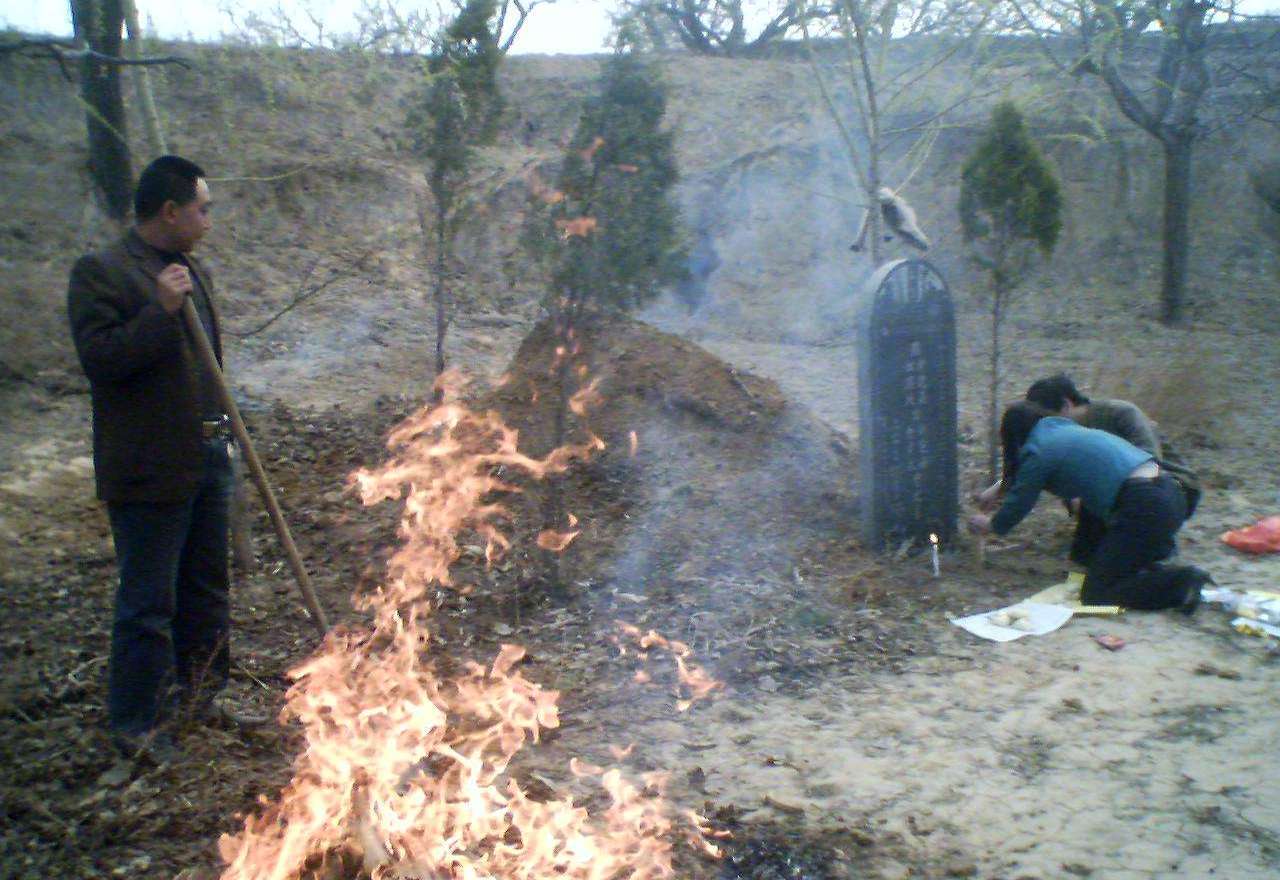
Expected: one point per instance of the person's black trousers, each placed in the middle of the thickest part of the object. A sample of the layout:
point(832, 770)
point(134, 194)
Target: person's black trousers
point(1126, 568)
point(1090, 530)
point(173, 610)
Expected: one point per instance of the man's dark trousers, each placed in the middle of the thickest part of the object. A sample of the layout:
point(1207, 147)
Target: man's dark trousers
point(172, 615)
point(1126, 568)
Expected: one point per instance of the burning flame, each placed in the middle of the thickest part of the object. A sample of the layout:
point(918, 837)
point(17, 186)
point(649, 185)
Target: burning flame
point(541, 191)
point(580, 227)
point(589, 152)
point(556, 542)
point(405, 770)
point(585, 397)
point(694, 683)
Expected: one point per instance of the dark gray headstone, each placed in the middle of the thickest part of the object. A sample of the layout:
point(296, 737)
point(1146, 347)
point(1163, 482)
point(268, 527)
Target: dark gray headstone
point(907, 406)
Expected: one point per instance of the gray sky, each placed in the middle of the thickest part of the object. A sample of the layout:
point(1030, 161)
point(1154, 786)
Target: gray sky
point(570, 26)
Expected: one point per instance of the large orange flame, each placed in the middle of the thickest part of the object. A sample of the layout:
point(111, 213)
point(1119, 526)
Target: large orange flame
point(406, 771)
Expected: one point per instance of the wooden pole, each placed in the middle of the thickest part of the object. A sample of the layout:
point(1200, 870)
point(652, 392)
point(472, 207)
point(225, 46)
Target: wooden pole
point(210, 361)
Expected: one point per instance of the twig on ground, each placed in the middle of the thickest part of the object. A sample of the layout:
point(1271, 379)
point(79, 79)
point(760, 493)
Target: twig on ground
point(259, 682)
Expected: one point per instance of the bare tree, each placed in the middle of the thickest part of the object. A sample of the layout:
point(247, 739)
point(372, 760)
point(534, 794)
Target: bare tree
point(142, 83)
point(1157, 61)
point(731, 28)
point(100, 26)
point(95, 47)
point(864, 93)
point(381, 26)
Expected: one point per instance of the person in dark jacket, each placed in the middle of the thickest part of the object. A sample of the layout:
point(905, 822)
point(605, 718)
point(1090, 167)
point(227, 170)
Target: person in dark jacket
point(161, 456)
point(1116, 482)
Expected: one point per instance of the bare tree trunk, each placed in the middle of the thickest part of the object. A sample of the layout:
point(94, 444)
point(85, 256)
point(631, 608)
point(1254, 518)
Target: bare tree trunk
point(1177, 232)
point(101, 24)
point(872, 127)
point(553, 512)
point(993, 410)
point(142, 83)
point(875, 218)
point(1124, 226)
point(442, 327)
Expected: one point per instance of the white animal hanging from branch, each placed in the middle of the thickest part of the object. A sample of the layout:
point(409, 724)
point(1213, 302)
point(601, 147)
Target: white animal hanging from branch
point(899, 218)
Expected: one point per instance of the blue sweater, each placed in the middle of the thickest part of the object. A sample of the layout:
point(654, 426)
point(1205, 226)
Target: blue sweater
point(1071, 462)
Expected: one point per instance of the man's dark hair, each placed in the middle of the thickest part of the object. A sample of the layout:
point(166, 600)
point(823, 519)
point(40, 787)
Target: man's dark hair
point(1015, 427)
point(167, 179)
point(1053, 392)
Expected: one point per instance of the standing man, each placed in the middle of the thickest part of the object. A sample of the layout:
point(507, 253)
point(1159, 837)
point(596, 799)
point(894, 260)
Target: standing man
point(161, 457)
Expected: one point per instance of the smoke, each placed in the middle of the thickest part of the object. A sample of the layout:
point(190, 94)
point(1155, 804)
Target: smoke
point(722, 519)
point(781, 221)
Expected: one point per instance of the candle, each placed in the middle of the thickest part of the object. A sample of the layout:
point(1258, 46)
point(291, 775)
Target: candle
point(933, 550)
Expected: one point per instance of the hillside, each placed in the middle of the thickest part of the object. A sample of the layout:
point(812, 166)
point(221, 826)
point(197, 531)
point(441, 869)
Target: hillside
point(313, 180)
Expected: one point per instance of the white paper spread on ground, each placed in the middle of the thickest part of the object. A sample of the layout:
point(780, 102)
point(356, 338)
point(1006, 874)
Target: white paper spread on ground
point(1040, 619)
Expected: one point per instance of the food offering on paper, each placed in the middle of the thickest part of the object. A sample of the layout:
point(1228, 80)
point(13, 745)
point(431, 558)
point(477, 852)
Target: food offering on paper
point(1015, 621)
point(1015, 617)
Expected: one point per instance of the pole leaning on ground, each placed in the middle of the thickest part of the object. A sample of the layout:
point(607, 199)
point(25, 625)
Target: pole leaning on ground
point(210, 361)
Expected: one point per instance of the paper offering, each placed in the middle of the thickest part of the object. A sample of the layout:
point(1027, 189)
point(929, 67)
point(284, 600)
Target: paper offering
point(1015, 621)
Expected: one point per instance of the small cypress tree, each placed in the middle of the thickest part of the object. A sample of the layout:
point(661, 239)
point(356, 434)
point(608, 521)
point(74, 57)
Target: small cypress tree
point(1011, 215)
point(610, 232)
point(456, 111)
point(469, 49)
point(613, 235)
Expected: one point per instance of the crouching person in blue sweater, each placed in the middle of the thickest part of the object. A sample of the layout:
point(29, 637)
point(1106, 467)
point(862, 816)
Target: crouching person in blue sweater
point(1115, 481)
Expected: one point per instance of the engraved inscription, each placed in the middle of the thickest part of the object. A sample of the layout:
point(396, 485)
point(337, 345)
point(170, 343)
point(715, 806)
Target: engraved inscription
point(908, 407)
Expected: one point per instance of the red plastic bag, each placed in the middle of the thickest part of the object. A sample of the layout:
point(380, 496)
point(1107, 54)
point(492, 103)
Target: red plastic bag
point(1261, 537)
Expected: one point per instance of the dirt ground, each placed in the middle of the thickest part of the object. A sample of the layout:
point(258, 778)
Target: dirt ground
point(859, 735)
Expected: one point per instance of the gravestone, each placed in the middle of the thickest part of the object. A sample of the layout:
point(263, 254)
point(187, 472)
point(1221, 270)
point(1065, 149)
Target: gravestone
point(907, 406)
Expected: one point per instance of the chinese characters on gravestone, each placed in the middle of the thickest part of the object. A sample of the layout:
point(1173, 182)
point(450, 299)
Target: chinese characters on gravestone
point(907, 407)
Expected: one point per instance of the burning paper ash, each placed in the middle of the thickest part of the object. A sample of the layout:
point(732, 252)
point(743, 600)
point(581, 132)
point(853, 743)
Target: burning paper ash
point(405, 771)
point(693, 683)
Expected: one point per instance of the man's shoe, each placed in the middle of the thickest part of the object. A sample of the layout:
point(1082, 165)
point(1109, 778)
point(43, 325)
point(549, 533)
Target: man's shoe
point(156, 748)
point(222, 712)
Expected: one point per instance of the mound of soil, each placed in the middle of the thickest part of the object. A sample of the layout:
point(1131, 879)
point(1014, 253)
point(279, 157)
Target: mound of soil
point(725, 475)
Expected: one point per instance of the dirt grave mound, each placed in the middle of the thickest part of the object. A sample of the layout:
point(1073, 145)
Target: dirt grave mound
point(725, 476)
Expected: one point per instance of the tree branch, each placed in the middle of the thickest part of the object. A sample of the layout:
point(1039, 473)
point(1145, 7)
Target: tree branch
point(1129, 103)
point(63, 49)
point(350, 268)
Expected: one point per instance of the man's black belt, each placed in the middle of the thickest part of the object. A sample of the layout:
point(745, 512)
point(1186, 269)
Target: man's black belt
point(216, 428)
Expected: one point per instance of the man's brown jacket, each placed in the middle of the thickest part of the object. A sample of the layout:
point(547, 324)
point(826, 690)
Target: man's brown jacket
point(143, 374)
